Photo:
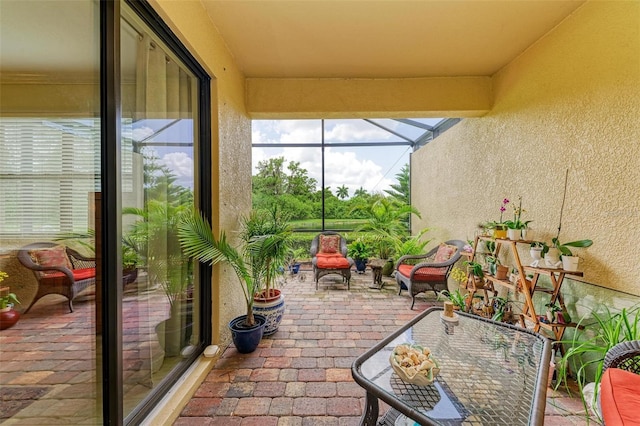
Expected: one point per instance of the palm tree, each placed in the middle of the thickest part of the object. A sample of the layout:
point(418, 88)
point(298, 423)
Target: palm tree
point(387, 220)
point(360, 192)
point(400, 191)
point(343, 192)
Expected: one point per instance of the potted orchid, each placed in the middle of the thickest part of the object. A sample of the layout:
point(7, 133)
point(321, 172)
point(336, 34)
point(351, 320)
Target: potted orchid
point(569, 261)
point(500, 228)
point(516, 226)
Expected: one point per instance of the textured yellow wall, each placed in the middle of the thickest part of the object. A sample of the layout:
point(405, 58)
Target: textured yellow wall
point(368, 98)
point(571, 101)
point(231, 142)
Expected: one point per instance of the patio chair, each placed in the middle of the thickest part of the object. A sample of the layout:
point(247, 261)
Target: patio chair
point(329, 256)
point(619, 398)
point(419, 273)
point(58, 270)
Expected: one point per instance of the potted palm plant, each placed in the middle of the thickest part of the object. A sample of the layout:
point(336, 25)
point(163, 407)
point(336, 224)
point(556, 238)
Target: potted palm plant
point(267, 234)
point(199, 242)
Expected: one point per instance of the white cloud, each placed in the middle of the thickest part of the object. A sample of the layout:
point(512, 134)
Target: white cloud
point(364, 167)
point(341, 168)
point(181, 165)
point(359, 130)
point(141, 133)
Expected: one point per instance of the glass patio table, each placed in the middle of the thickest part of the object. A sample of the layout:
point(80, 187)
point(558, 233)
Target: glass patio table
point(491, 374)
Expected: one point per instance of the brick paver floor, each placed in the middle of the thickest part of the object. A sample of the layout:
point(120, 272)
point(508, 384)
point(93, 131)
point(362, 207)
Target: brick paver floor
point(301, 375)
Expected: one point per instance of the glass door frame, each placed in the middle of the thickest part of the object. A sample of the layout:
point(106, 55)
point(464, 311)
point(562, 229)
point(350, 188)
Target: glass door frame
point(110, 111)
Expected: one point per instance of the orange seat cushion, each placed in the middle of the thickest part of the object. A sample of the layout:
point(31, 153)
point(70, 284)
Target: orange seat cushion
point(423, 274)
point(331, 261)
point(620, 397)
point(58, 278)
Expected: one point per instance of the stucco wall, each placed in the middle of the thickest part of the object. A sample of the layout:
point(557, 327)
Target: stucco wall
point(571, 101)
point(231, 143)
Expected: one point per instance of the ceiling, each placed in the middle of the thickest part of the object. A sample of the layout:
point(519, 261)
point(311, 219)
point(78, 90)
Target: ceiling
point(311, 38)
point(381, 39)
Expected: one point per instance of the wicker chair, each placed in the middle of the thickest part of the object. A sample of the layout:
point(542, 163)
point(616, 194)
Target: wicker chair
point(59, 279)
point(619, 398)
point(340, 263)
point(419, 273)
point(625, 355)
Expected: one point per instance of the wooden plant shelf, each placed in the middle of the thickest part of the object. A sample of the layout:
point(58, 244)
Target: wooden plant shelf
point(527, 287)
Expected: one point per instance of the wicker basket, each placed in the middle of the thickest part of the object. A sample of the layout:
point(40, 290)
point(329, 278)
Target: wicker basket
point(420, 378)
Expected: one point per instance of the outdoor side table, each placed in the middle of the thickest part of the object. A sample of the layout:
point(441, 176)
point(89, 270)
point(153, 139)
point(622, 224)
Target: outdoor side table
point(376, 266)
point(491, 374)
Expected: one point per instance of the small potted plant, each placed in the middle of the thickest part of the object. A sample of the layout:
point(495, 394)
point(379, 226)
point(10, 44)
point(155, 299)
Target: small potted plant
point(571, 262)
point(515, 226)
point(8, 316)
point(456, 297)
point(359, 250)
point(293, 260)
point(500, 228)
point(502, 309)
point(552, 312)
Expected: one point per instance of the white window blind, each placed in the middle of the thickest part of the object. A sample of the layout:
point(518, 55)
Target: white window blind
point(49, 169)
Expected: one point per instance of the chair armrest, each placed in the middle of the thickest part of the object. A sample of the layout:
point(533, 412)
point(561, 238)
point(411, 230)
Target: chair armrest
point(413, 257)
point(80, 261)
point(625, 355)
point(30, 264)
point(314, 248)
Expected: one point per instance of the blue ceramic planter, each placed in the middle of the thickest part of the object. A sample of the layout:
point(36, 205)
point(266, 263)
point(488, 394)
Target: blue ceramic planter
point(246, 339)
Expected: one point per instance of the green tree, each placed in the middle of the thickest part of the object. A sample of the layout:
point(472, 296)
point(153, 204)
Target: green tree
point(401, 191)
point(360, 192)
point(298, 181)
point(271, 178)
point(342, 192)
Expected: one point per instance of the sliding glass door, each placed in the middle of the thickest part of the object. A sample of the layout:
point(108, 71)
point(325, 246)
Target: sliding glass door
point(160, 307)
point(50, 166)
point(97, 166)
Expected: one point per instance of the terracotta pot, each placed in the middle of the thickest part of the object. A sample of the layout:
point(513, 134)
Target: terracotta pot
point(8, 318)
point(274, 294)
point(501, 272)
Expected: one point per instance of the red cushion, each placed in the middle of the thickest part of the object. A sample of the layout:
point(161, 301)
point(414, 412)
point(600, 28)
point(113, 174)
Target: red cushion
point(54, 256)
point(620, 397)
point(58, 278)
point(329, 243)
point(331, 261)
point(423, 274)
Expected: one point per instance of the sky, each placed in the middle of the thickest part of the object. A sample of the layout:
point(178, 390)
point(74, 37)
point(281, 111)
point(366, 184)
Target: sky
point(372, 168)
